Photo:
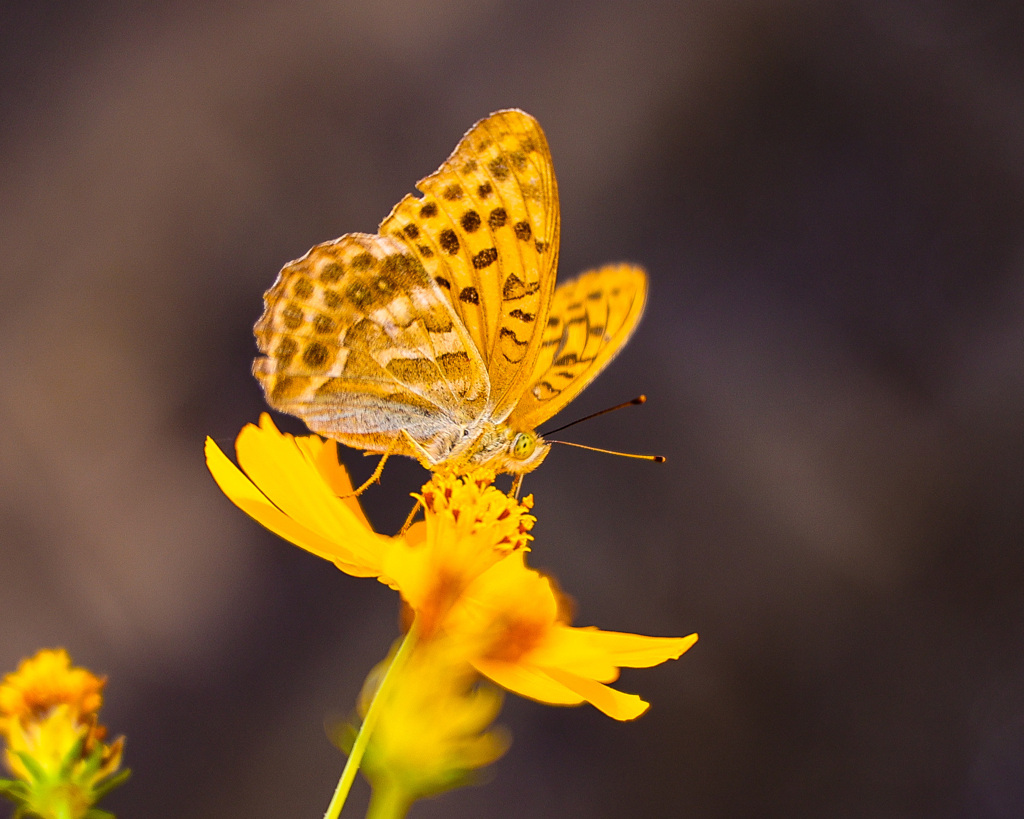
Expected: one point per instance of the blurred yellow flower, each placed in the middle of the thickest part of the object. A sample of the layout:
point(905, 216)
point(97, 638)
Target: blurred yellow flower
point(431, 732)
point(54, 742)
point(44, 681)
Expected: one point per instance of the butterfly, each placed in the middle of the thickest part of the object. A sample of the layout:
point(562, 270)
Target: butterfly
point(443, 336)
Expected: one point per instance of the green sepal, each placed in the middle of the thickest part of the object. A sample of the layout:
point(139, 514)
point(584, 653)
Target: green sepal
point(111, 782)
point(15, 790)
point(36, 771)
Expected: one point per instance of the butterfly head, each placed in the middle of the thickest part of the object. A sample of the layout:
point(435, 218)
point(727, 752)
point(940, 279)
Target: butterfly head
point(505, 449)
point(525, 452)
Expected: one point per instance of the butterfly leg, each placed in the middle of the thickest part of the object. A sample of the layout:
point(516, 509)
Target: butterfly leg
point(420, 453)
point(375, 477)
point(409, 520)
point(517, 484)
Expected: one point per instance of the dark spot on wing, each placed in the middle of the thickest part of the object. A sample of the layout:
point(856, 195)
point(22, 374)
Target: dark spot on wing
point(285, 350)
point(449, 241)
point(523, 231)
point(485, 258)
point(292, 316)
point(285, 388)
point(331, 272)
point(469, 295)
point(498, 168)
point(513, 288)
point(497, 218)
point(470, 221)
point(359, 294)
point(452, 192)
point(429, 210)
point(519, 314)
point(316, 355)
point(362, 262)
point(484, 190)
point(507, 333)
point(400, 267)
point(324, 324)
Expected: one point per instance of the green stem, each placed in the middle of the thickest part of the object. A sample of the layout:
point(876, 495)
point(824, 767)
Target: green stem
point(355, 756)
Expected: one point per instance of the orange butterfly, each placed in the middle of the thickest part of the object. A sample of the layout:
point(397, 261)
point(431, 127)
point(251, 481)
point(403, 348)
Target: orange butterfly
point(444, 337)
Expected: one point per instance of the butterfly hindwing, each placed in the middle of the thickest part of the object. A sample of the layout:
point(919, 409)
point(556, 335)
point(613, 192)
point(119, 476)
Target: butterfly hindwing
point(486, 230)
point(360, 343)
point(590, 319)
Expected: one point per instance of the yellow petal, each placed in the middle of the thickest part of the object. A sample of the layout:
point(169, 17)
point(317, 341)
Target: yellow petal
point(528, 681)
point(615, 704)
point(593, 652)
point(571, 649)
point(335, 475)
point(284, 472)
point(244, 494)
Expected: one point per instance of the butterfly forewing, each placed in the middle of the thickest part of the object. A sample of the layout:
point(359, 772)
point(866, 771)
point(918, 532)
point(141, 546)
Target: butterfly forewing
point(590, 320)
point(360, 343)
point(486, 230)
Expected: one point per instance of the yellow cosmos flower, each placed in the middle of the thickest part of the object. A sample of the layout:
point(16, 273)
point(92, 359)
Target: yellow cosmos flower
point(461, 570)
point(292, 486)
point(48, 718)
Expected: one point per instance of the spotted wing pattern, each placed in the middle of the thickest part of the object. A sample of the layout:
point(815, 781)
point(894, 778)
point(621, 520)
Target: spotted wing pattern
point(590, 320)
point(486, 231)
point(360, 342)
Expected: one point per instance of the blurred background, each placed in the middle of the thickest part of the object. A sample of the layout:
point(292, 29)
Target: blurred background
point(829, 200)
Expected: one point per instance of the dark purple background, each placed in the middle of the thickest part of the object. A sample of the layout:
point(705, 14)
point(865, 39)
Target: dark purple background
point(829, 199)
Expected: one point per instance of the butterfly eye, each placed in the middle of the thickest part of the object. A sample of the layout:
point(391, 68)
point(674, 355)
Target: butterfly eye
point(523, 445)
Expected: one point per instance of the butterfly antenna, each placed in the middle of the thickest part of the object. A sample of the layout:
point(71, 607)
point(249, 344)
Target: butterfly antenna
point(658, 459)
point(640, 399)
